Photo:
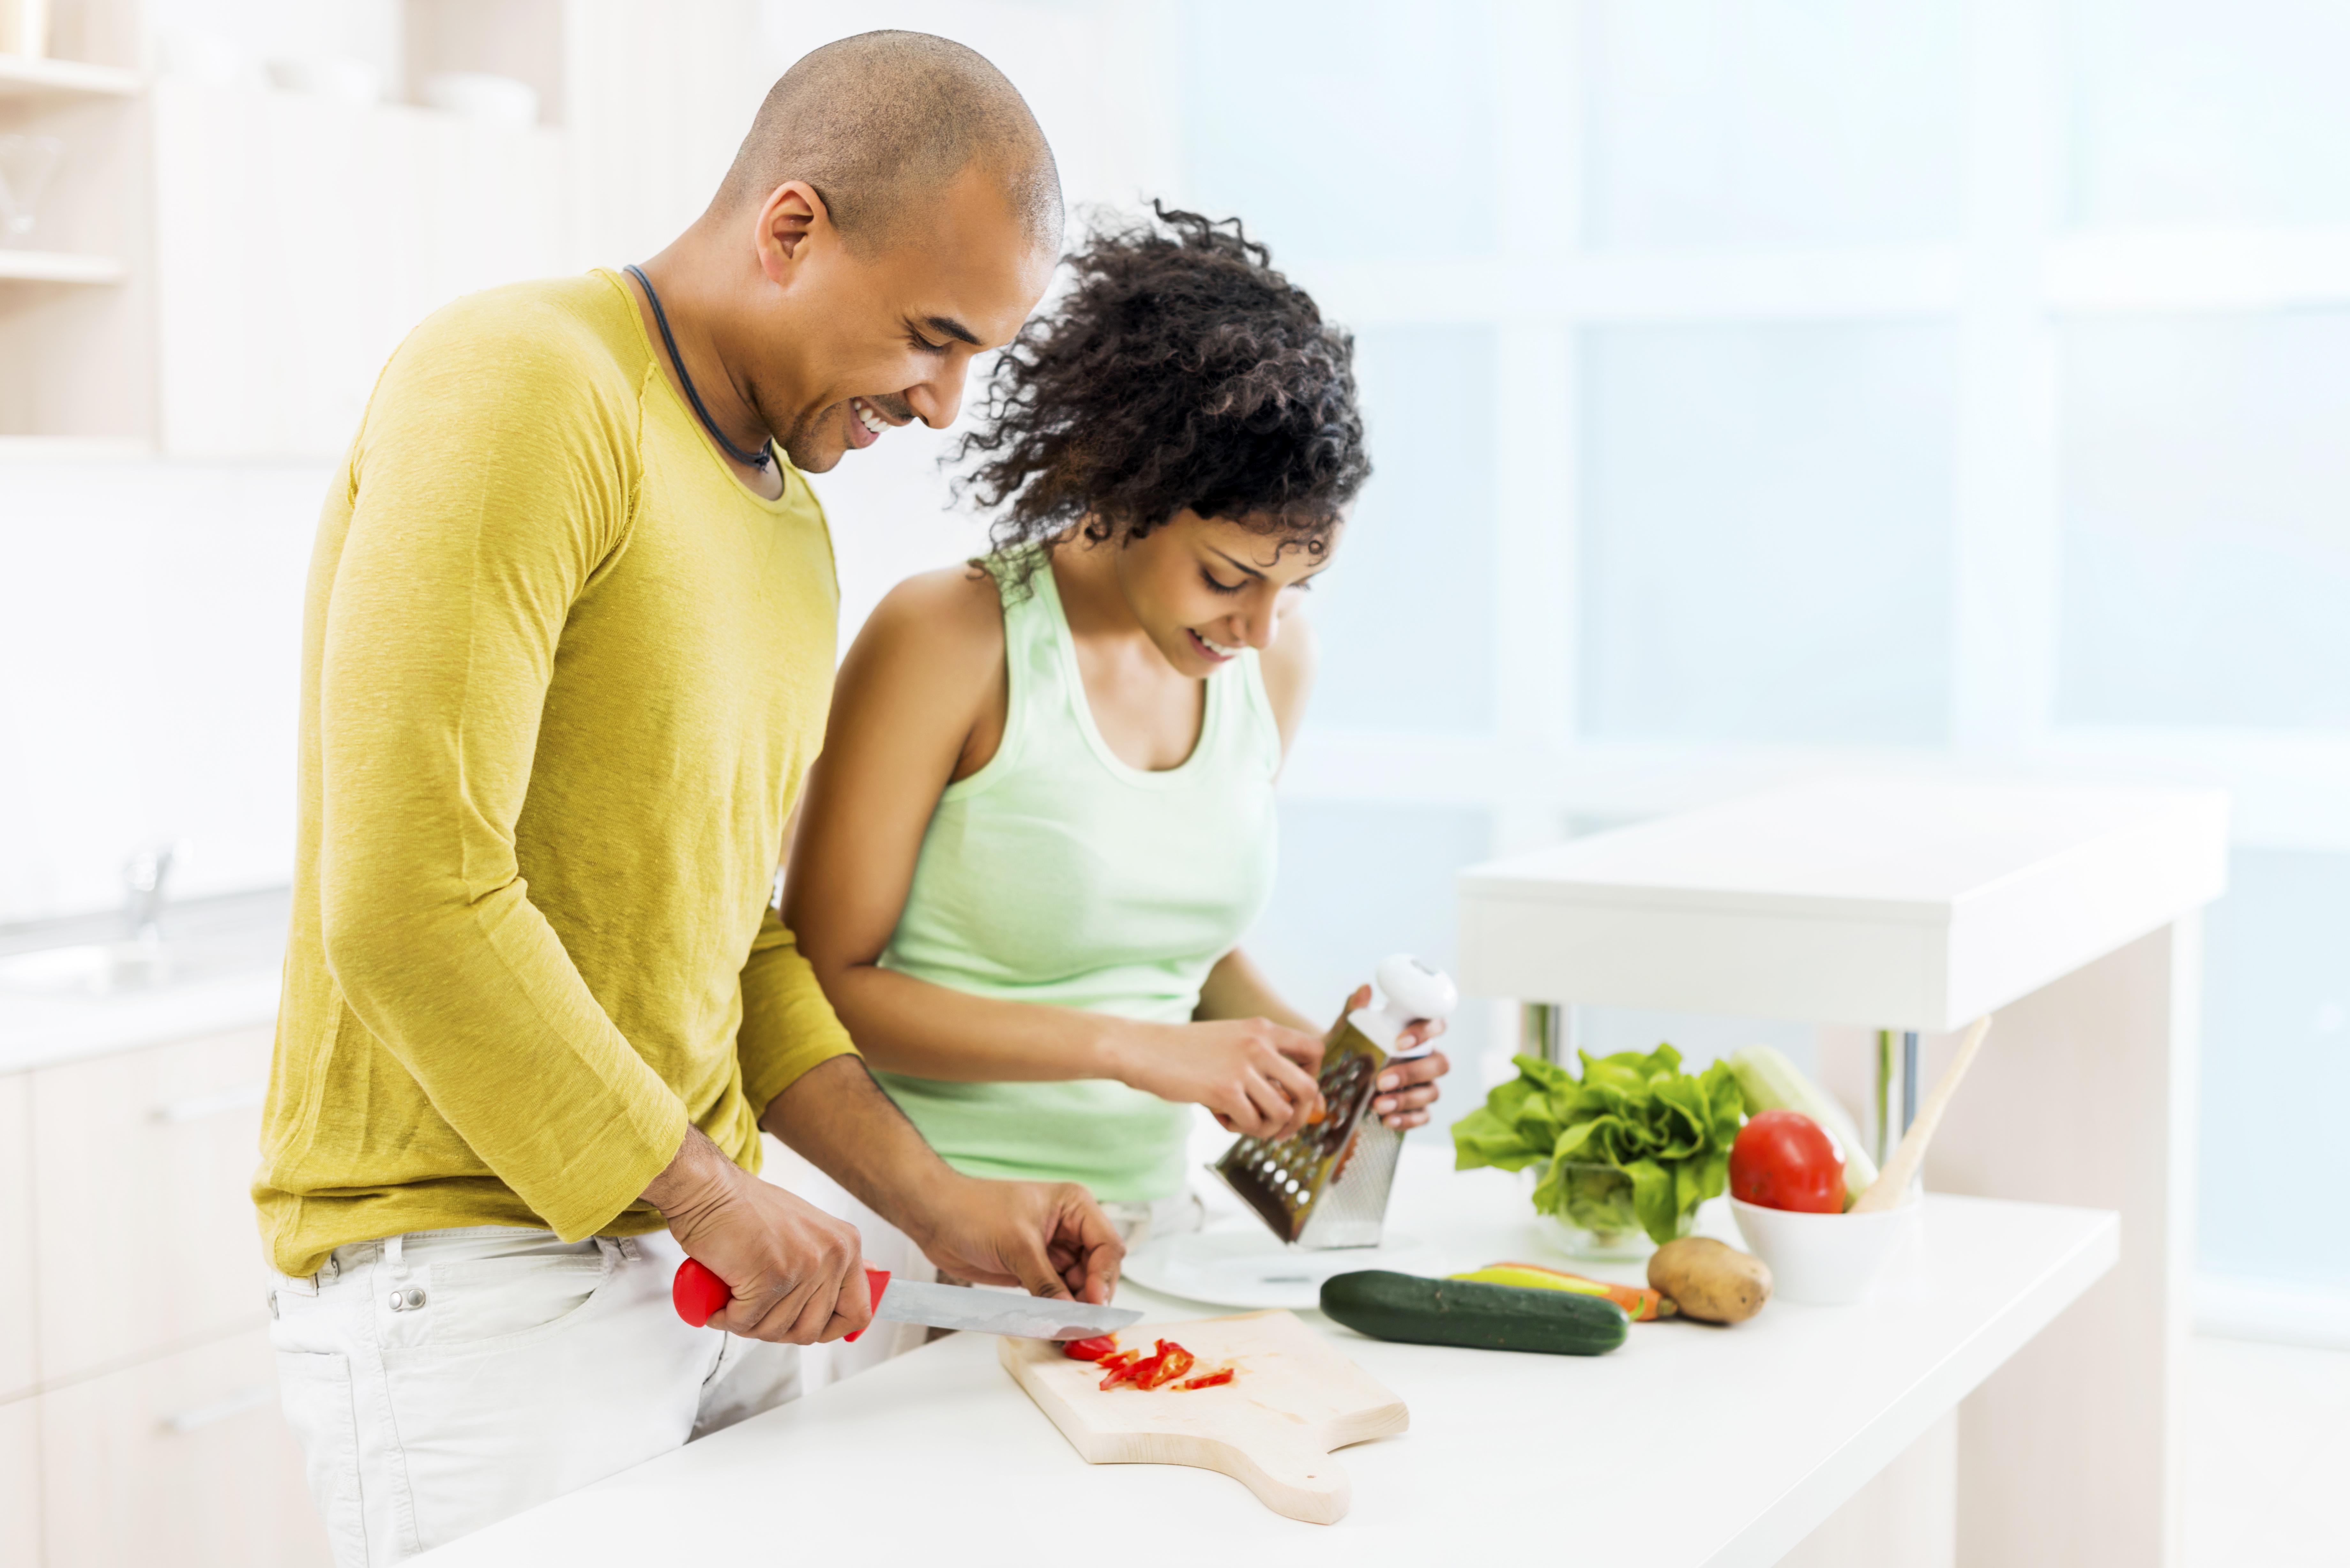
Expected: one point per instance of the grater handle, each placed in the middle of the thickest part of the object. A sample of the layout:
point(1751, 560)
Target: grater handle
point(1413, 989)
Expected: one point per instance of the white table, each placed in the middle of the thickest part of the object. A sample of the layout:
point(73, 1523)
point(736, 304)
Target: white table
point(1856, 905)
point(1691, 1446)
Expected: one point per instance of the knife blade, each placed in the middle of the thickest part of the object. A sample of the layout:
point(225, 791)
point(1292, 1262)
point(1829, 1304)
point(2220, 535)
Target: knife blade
point(698, 1293)
point(976, 1310)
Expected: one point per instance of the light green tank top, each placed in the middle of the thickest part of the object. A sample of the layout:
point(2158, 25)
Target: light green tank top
point(1058, 874)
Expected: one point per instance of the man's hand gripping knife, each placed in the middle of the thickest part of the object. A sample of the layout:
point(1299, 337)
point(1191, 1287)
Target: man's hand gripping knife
point(789, 1263)
point(765, 1264)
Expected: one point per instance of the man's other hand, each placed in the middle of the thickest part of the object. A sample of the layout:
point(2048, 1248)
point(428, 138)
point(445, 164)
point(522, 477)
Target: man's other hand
point(796, 1271)
point(1051, 1239)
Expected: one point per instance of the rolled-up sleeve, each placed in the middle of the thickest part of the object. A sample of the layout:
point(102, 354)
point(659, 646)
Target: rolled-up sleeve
point(788, 1024)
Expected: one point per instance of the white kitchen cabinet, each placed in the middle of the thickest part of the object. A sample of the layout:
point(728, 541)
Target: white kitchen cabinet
point(20, 1483)
point(18, 1366)
point(298, 238)
point(144, 1232)
point(184, 1459)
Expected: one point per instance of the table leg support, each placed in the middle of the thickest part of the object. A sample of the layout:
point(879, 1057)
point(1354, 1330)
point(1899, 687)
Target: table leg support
point(2084, 1094)
point(1541, 1031)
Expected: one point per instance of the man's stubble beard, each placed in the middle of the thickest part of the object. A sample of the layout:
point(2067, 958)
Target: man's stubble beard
point(800, 441)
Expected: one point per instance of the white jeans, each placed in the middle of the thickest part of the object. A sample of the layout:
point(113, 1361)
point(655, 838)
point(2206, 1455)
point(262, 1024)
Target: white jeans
point(441, 1380)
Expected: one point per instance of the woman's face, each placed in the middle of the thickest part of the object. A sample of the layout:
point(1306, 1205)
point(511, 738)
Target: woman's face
point(1206, 587)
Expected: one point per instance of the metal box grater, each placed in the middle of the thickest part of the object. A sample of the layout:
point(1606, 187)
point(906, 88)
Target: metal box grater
point(1327, 1187)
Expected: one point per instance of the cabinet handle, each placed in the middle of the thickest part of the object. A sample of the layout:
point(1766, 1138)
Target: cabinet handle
point(236, 1404)
point(195, 1107)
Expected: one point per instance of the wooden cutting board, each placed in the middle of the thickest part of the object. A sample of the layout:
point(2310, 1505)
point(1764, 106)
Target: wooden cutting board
point(1271, 1428)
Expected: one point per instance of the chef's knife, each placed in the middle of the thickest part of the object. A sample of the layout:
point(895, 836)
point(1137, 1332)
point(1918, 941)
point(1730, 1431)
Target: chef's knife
point(700, 1294)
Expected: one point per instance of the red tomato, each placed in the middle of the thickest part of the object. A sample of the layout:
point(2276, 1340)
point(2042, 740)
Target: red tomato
point(1782, 1160)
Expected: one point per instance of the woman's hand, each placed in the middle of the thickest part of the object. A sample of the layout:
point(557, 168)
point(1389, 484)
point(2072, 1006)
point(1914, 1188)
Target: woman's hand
point(1408, 1088)
point(1256, 1076)
point(1051, 1239)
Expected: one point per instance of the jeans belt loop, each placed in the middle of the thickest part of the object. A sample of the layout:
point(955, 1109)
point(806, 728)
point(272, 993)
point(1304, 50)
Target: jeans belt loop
point(394, 1256)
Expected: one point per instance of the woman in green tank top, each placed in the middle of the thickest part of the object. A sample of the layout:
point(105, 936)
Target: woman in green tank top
point(1043, 815)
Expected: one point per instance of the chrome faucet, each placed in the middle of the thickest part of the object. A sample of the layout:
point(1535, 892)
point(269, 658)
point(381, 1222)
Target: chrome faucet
point(144, 877)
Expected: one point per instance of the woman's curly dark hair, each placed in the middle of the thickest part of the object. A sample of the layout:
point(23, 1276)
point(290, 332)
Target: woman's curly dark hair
point(1179, 371)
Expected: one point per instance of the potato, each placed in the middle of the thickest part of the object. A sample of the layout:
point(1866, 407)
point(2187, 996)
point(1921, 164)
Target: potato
point(1709, 1281)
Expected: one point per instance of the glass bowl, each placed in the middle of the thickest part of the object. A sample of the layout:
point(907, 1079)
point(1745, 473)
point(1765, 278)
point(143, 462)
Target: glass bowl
point(1598, 1224)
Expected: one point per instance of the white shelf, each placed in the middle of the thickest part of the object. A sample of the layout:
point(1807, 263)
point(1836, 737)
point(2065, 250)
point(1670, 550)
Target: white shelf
point(1882, 903)
point(58, 266)
point(22, 76)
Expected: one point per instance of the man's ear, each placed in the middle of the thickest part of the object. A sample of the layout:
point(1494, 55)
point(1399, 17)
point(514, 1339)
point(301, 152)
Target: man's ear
point(792, 216)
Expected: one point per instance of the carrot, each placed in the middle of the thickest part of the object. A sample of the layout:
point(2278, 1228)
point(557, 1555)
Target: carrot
point(1641, 1305)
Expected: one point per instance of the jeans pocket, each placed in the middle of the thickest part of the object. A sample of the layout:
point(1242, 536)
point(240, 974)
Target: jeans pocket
point(316, 1391)
point(481, 1300)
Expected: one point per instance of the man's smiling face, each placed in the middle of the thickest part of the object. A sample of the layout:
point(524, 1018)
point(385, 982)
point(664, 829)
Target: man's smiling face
point(869, 336)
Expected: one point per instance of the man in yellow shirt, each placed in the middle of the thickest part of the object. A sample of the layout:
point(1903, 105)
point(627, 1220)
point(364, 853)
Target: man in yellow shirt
point(569, 644)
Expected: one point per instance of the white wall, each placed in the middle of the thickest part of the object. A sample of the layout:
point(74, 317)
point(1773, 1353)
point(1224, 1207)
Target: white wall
point(150, 642)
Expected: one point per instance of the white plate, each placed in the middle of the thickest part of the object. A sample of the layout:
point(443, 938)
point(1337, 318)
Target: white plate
point(1237, 1263)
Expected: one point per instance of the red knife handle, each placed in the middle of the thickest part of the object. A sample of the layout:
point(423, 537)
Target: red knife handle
point(877, 1280)
point(701, 1295)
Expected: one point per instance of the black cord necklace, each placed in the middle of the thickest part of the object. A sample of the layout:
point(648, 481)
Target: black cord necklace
point(758, 459)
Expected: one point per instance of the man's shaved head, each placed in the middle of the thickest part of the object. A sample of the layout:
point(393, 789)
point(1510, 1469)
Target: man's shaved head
point(879, 123)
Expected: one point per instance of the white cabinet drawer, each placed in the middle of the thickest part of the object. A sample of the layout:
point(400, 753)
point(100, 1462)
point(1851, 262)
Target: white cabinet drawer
point(20, 1484)
point(185, 1459)
point(144, 1221)
point(19, 1368)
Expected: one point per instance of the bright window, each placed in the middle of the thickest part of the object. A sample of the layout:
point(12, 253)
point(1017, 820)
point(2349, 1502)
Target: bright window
point(1755, 384)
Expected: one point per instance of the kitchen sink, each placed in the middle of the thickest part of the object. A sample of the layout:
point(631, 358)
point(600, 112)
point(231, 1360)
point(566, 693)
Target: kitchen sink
point(209, 939)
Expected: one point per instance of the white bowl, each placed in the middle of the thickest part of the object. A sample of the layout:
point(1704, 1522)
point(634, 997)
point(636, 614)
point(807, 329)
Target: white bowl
point(349, 80)
point(1825, 1260)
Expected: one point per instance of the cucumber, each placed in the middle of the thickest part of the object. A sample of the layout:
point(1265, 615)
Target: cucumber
point(1386, 1305)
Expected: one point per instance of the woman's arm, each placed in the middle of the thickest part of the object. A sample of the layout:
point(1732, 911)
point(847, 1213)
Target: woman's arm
point(920, 702)
point(1236, 988)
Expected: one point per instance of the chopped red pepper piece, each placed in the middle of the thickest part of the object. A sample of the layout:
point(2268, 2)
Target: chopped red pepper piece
point(1173, 1360)
point(1094, 1349)
point(1165, 1369)
point(1133, 1372)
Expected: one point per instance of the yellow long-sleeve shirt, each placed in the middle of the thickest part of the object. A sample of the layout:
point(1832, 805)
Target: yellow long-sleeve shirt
point(562, 675)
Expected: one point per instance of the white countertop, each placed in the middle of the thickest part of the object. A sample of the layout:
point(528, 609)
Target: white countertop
point(237, 941)
point(1691, 1446)
point(1887, 903)
point(44, 1031)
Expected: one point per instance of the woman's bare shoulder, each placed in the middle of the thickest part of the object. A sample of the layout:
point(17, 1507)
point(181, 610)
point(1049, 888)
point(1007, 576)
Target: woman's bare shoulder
point(954, 611)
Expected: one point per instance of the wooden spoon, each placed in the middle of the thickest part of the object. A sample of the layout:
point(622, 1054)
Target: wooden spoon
point(1893, 1182)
